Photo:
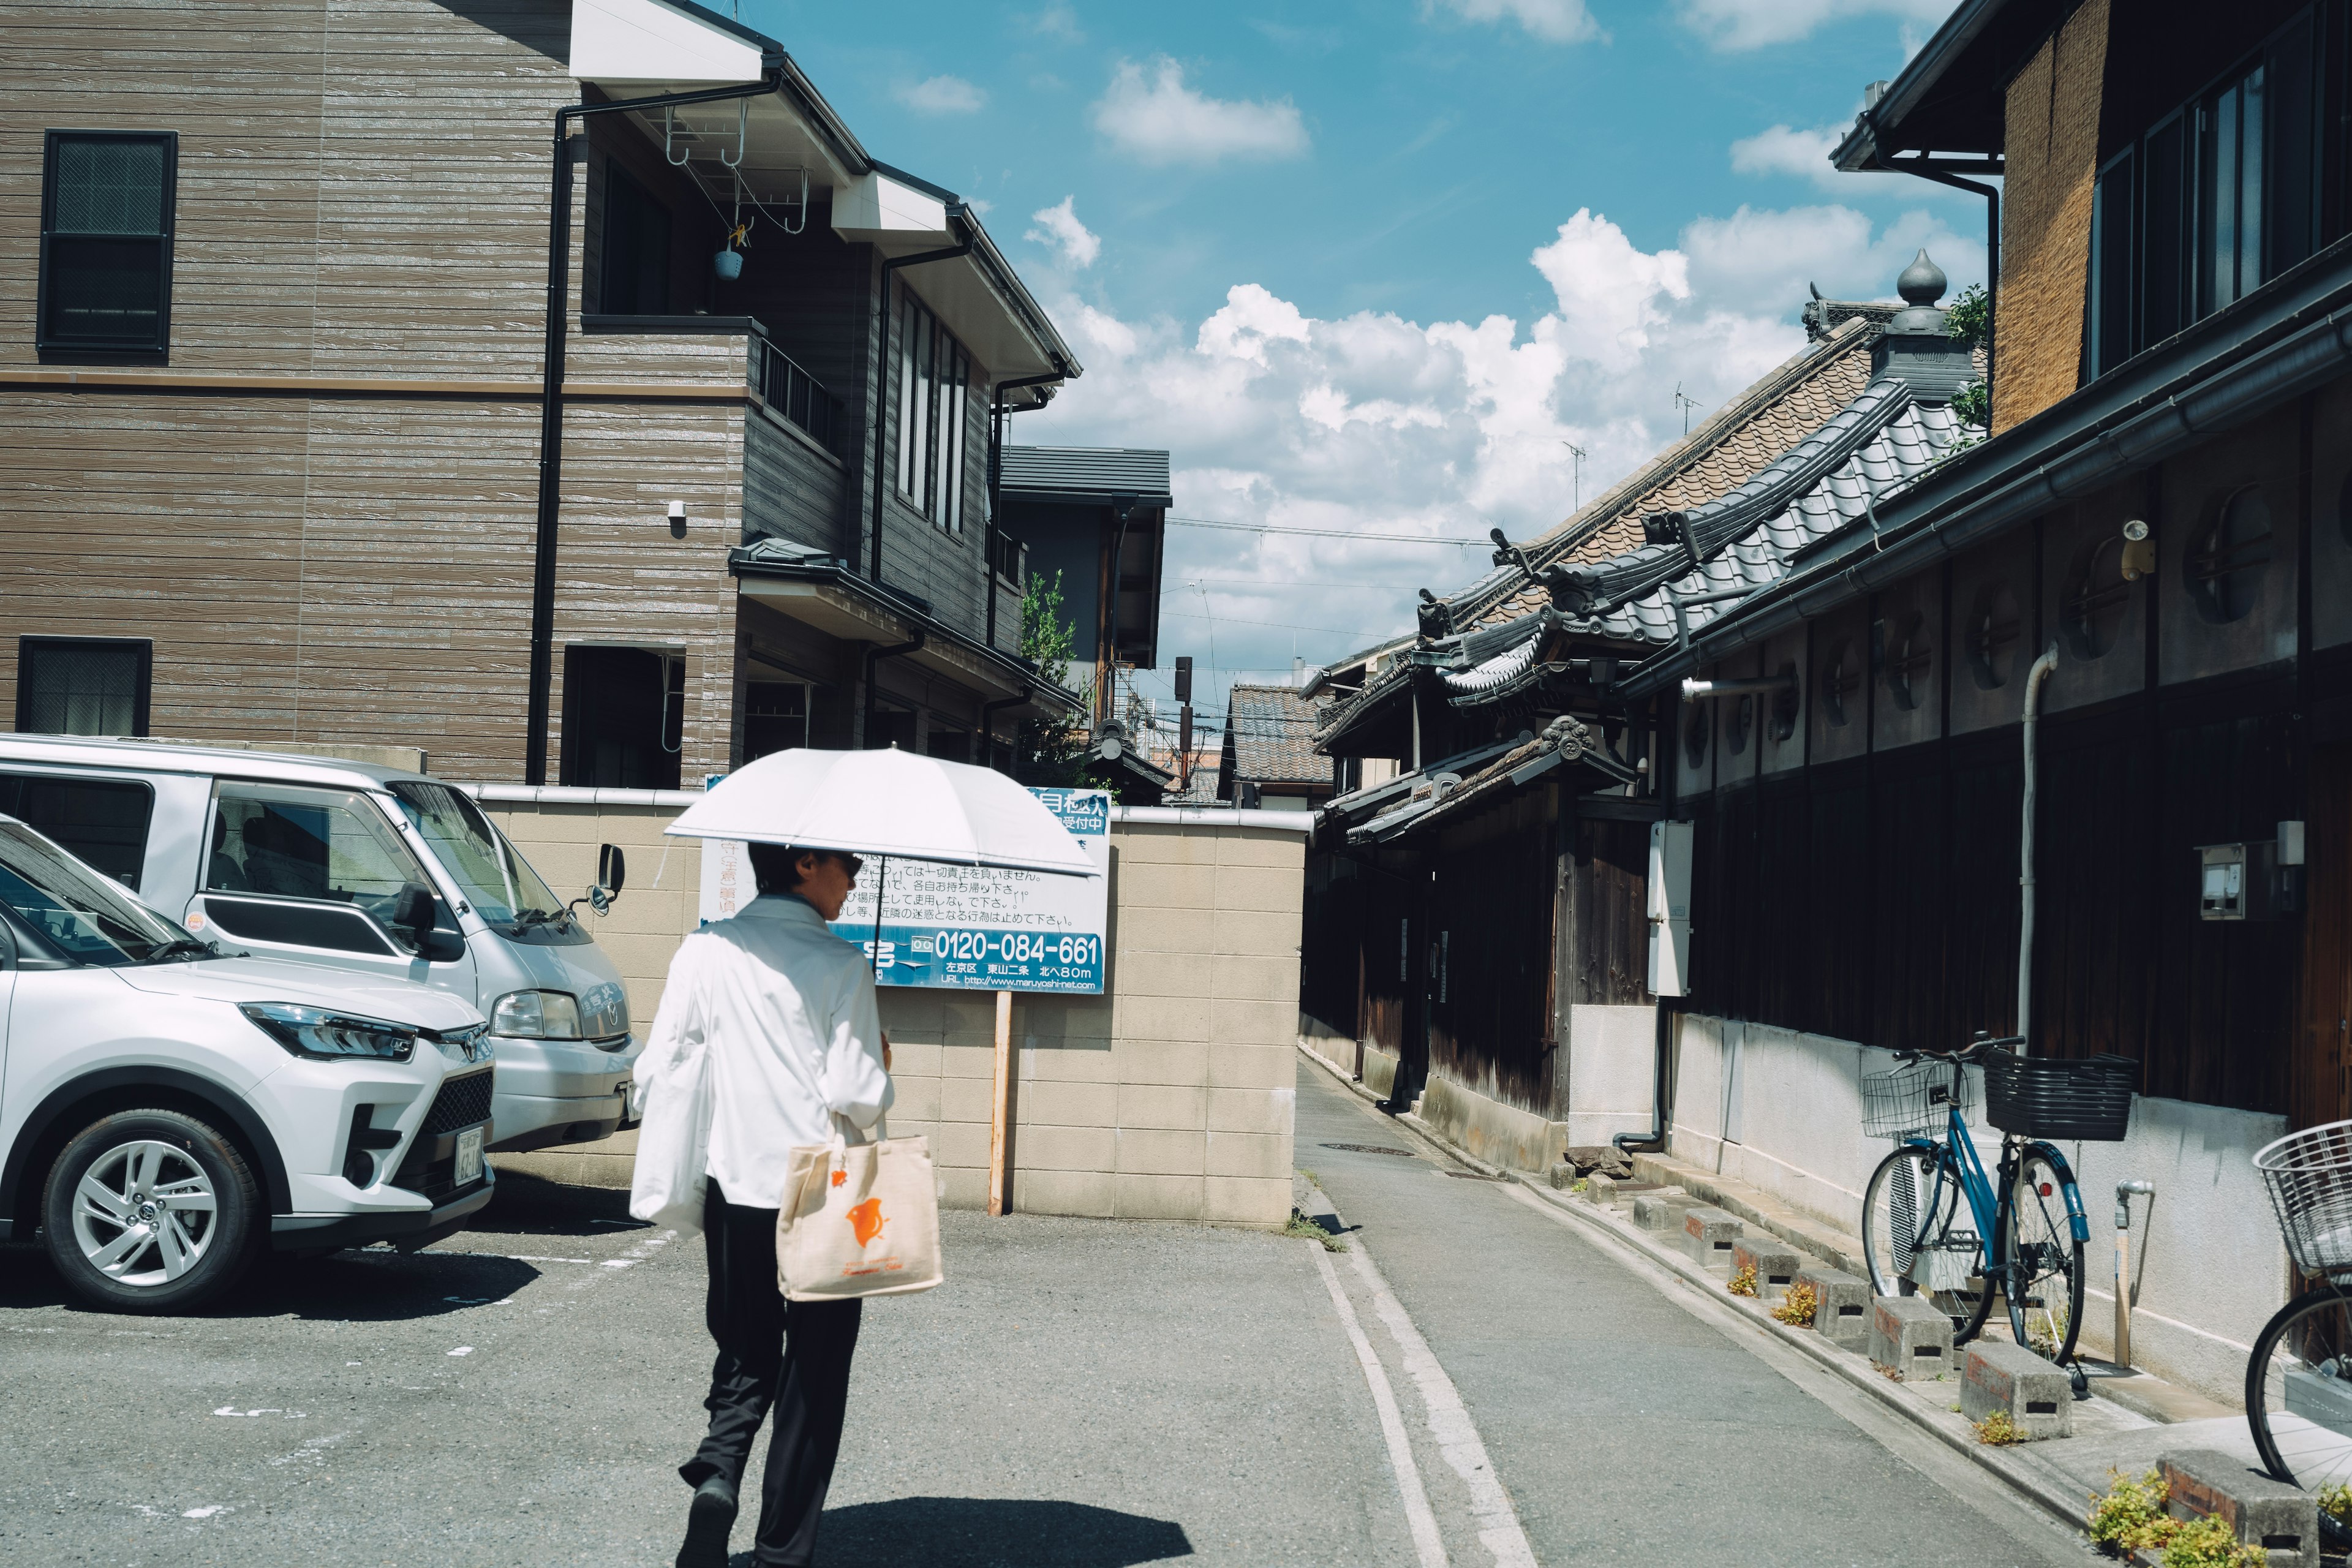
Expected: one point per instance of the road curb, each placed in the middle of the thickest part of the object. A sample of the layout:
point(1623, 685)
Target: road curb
point(2055, 1495)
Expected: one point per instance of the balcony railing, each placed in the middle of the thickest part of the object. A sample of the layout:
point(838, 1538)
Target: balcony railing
point(796, 395)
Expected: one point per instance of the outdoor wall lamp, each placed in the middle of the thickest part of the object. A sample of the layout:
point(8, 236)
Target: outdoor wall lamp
point(1757, 686)
point(678, 520)
point(2140, 551)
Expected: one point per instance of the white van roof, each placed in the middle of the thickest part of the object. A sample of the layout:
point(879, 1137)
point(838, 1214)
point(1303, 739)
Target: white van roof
point(135, 755)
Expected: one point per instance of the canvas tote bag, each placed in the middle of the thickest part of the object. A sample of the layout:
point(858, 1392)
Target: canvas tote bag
point(858, 1219)
point(666, 1184)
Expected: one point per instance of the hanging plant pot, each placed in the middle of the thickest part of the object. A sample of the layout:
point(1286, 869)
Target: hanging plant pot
point(727, 264)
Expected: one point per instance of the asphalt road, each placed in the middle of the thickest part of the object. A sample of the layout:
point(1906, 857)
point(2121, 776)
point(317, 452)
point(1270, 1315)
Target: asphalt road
point(1079, 1394)
point(1630, 1422)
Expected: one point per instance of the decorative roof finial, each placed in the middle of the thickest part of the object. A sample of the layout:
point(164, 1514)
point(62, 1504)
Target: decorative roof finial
point(1922, 282)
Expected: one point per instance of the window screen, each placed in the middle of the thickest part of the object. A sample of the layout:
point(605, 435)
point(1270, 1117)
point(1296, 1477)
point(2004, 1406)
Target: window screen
point(101, 821)
point(105, 243)
point(82, 686)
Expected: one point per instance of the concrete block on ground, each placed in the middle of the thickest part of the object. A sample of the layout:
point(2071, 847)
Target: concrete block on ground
point(1776, 1264)
point(1842, 1304)
point(1600, 1189)
point(1708, 1236)
point(1910, 1337)
point(1562, 1176)
point(1998, 1375)
point(1663, 1209)
point(2284, 1520)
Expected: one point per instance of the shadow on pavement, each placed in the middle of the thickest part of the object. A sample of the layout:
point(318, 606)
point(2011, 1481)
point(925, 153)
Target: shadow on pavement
point(993, 1533)
point(529, 1206)
point(345, 1287)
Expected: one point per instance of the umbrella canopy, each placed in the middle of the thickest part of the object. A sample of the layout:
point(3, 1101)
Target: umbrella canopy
point(887, 803)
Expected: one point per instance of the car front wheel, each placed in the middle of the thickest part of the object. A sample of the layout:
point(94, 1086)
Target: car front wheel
point(150, 1211)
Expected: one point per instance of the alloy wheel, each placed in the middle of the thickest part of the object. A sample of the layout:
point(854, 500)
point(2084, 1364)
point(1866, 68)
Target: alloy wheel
point(144, 1214)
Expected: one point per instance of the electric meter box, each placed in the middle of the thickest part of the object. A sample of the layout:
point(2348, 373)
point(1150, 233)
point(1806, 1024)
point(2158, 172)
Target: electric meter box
point(2238, 882)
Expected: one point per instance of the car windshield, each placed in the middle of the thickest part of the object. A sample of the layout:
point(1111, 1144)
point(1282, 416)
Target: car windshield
point(79, 912)
point(498, 882)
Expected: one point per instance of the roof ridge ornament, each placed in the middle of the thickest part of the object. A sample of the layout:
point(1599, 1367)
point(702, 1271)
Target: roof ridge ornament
point(1567, 593)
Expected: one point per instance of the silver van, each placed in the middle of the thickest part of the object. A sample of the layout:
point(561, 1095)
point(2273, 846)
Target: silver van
point(370, 870)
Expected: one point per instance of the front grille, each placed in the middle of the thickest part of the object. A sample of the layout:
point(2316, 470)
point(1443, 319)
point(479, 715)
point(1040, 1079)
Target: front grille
point(462, 1102)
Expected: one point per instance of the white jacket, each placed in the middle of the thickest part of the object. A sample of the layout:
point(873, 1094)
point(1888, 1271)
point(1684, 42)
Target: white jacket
point(768, 1031)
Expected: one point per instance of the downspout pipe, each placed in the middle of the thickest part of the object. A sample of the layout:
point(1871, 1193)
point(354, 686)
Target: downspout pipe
point(882, 382)
point(997, 414)
point(1991, 195)
point(1654, 1140)
point(988, 712)
point(2034, 679)
point(876, 653)
point(550, 395)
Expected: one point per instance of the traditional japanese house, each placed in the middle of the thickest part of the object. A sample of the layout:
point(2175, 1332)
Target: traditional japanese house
point(1476, 940)
point(1268, 757)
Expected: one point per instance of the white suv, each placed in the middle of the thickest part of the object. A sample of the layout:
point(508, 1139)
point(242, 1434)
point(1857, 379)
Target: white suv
point(166, 1113)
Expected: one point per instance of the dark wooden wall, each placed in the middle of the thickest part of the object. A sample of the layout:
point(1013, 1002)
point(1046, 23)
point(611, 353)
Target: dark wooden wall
point(1491, 907)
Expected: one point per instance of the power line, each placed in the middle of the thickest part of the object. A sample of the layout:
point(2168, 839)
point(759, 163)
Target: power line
point(1243, 621)
point(1330, 532)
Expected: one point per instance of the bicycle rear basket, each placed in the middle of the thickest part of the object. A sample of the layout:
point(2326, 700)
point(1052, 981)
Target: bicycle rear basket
point(2053, 1096)
point(2309, 1175)
point(1911, 1099)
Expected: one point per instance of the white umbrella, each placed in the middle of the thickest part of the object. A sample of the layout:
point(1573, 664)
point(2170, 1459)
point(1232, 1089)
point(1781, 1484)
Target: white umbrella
point(882, 803)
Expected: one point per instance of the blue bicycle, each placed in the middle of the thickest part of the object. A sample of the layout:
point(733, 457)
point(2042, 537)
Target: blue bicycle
point(1934, 1225)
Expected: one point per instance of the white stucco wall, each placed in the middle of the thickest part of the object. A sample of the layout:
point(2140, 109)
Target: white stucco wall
point(1611, 1070)
point(1782, 1112)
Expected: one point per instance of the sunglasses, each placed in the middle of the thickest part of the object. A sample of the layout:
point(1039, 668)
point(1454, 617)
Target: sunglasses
point(852, 864)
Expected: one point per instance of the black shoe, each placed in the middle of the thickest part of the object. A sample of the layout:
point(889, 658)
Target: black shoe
point(709, 1518)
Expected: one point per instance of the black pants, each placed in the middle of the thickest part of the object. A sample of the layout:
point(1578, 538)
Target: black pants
point(790, 1355)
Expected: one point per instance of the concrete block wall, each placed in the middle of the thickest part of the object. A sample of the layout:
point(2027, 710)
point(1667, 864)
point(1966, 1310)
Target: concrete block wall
point(1782, 1111)
point(1168, 1097)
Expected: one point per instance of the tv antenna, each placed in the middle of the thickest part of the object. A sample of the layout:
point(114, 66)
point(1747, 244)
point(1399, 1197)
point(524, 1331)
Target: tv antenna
point(1686, 405)
point(1576, 476)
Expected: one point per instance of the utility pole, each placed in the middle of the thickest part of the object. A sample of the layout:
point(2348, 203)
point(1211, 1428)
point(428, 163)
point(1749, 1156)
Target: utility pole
point(1184, 722)
point(1576, 476)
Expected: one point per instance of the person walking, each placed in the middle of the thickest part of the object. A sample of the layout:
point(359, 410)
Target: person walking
point(784, 1014)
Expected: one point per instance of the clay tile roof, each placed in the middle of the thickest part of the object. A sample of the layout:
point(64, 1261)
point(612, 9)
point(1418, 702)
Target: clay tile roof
point(1737, 443)
point(1272, 729)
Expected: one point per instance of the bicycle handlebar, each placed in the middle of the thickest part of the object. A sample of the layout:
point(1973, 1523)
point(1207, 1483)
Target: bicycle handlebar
point(1975, 1050)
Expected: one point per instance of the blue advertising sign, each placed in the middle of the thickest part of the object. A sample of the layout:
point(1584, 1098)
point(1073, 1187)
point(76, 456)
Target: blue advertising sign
point(978, 929)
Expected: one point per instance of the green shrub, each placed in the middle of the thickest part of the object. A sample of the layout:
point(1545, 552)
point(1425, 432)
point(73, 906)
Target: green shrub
point(2131, 1518)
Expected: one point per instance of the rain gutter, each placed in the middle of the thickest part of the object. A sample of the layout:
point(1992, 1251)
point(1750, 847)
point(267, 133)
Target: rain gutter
point(2234, 368)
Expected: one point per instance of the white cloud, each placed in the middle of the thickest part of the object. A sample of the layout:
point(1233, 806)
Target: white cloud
point(1057, 21)
point(1058, 229)
point(942, 95)
point(1784, 150)
point(1554, 21)
point(1375, 424)
point(1157, 119)
point(1753, 24)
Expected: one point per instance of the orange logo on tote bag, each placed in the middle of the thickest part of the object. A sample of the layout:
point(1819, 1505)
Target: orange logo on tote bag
point(865, 1220)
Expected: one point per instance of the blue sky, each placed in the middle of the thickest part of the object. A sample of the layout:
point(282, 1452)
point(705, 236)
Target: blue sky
point(1373, 264)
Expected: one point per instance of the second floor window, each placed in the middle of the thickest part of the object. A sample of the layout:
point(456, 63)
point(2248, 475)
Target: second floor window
point(934, 405)
point(635, 255)
point(2220, 196)
point(106, 244)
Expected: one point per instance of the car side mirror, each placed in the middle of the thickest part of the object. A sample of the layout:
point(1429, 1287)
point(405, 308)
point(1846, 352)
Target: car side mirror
point(412, 912)
point(612, 869)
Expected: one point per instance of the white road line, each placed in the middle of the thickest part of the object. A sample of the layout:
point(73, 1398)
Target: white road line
point(1457, 1437)
point(1417, 1517)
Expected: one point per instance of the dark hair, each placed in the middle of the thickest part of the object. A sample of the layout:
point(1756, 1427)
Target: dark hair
point(776, 867)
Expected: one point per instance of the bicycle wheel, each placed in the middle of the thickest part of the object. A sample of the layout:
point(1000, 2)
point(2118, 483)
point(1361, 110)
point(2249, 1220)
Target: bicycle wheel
point(2299, 1397)
point(1912, 1205)
point(2044, 1284)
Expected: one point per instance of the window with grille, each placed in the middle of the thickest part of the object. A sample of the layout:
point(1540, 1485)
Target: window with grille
point(106, 244)
point(934, 406)
point(82, 686)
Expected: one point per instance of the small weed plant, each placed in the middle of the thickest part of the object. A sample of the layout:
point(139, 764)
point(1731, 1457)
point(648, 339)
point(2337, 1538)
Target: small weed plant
point(2336, 1501)
point(1801, 1303)
point(1999, 1430)
point(1307, 1229)
point(1743, 1281)
point(1581, 1185)
point(2131, 1518)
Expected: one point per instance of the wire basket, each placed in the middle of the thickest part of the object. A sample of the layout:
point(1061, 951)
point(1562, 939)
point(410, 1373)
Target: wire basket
point(2088, 1098)
point(2309, 1175)
point(1913, 1097)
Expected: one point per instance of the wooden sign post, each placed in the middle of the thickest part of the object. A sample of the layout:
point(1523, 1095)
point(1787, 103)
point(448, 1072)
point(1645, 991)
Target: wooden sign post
point(1000, 1120)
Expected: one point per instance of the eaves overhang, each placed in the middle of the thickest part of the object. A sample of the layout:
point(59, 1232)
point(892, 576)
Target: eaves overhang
point(2286, 338)
point(823, 592)
point(1948, 98)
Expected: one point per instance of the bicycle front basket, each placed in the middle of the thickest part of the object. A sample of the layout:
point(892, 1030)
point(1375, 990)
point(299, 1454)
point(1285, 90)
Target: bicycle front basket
point(2309, 1175)
point(2056, 1098)
point(1911, 1098)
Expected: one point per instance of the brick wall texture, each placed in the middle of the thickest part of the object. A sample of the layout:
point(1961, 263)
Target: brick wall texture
point(2052, 157)
point(1168, 1097)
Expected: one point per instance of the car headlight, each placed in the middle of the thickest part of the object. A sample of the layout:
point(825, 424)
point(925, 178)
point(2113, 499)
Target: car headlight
point(322, 1036)
point(537, 1015)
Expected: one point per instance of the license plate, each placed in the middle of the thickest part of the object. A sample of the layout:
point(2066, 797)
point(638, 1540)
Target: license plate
point(469, 1157)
